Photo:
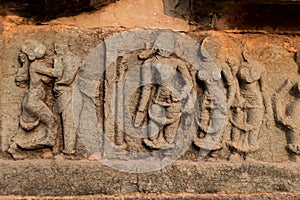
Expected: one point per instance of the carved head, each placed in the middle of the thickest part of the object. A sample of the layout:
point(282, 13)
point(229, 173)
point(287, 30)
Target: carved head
point(233, 62)
point(60, 49)
point(164, 45)
point(209, 48)
point(34, 49)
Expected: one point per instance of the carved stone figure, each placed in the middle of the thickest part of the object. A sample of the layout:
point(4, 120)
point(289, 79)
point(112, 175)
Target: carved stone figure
point(35, 111)
point(206, 122)
point(288, 115)
point(248, 113)
point(165, 102)
point(69, 64)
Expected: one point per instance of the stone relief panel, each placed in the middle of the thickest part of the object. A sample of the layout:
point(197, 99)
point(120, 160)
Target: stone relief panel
point(244, 82)
point(36, 106)
point(147, 98)
point(39, 77)
point(149, 94)
point(47, 105)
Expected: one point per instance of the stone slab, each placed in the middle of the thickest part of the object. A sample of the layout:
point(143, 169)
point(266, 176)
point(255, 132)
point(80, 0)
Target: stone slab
point(183, 196)
point(75, 178)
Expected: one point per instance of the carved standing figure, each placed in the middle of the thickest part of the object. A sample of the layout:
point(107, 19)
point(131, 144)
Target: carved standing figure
point(69, 64)
point(224, 76)
point(210, 116)
point(251, 104)
point(288, 115)
point(34, 109)
point(165, 102)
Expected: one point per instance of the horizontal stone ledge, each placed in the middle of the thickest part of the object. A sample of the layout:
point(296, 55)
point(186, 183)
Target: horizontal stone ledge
point(182, 196)
point(69, 178)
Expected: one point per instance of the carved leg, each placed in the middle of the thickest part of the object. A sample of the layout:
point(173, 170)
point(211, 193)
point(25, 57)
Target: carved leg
point(237, 136)
point(205, 115)
point(173, 112)
point(171, 131)
point(215, 129)
point(155, 135)
point(42, 111)
point(69, 129)
point(153, 130)
point(254, 118)
point(69, 132)
point(236, 133)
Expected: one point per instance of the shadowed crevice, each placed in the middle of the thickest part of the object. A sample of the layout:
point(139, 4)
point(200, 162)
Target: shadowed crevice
point(240, 15)
point(44, 10)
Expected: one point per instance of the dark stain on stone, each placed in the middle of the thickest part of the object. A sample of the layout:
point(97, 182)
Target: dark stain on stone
point(44, 10)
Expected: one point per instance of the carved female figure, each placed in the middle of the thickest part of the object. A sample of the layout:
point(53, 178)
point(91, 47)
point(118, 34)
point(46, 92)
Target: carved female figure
point(251, 104)
point(164, 103)
point(224, 76)
point(206, 123)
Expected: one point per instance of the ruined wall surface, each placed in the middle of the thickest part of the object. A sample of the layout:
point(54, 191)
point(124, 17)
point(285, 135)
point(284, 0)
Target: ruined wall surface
point(149, 97)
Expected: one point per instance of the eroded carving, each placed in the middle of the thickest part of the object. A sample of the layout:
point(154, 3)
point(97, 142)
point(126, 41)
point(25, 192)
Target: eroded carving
point(45, 73)
point(207, 124)
point(167, 99)
point(161, 102)
point(68, 64)
point(248, 111)
point(288, 114)
point(247, 103)
point(37, 107)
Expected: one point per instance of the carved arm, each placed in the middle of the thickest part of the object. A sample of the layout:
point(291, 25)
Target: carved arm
point(41, 68)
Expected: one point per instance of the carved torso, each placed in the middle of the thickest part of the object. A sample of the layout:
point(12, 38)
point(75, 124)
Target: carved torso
point(166, 75)
point(252, 95)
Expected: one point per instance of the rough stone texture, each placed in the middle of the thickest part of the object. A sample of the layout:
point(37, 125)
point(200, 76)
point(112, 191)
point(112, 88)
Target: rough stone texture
point(129, 14)
point(109, 38)
point(56, 178)
point(277, 53)
point(182, 196)
point(174, 197)
point(247, 16)
point(82, 177)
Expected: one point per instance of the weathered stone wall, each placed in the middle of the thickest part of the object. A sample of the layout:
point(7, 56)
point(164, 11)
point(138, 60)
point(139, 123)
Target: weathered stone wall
point(81, 84)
